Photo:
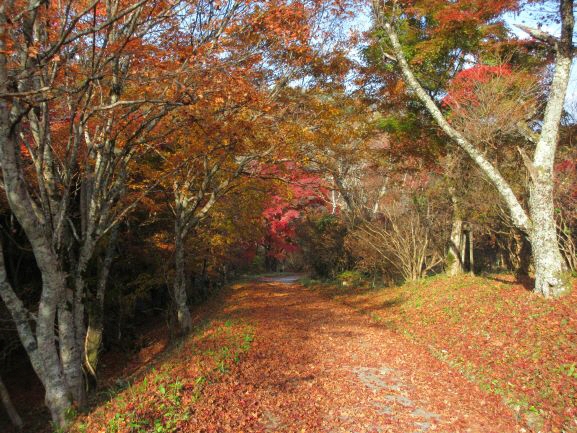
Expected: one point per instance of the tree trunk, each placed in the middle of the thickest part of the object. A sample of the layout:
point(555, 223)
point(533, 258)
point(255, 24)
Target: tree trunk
point(71, 353)
point(50, 369)
point(72, 330)
point(57, 400)
point(471, 251)
point(10, 409)
point(179, 288)
point(41, 349)
point(40, 344)
point(550, 270)
point(455, 259)
point(454, 253)
point(95, 310)
point(522, 251)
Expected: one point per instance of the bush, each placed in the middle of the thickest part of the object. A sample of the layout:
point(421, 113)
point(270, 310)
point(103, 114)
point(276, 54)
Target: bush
point(350, 278)
point(321, 238)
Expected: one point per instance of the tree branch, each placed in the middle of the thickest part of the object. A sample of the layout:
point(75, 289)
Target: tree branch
point(539, 35)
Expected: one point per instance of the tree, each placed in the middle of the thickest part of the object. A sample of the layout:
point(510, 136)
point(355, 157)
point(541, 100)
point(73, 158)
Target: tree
point(403, 240)
point(295, 191)
point(69, 129)
point(239, 120)
point(539, 221)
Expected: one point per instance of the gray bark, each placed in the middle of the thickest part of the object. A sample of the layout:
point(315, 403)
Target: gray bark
point(41, 351)
point(71, 351)
point(95, 309)
point(471, 251)
point(456, 241)
point(550, 267)
point(454, 253)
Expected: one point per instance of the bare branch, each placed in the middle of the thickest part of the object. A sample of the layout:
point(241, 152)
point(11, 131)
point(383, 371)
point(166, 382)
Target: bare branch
point(539, 35)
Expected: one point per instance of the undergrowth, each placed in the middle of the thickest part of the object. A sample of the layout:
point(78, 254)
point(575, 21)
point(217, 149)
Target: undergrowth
point(162, 400)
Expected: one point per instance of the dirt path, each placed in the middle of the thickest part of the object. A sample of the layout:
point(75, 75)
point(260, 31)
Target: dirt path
point(317, 366)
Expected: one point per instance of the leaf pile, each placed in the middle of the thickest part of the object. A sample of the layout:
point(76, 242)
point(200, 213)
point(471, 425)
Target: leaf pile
point(507, 340)
point(315, 365)
point(319, 366)
point(162, 400)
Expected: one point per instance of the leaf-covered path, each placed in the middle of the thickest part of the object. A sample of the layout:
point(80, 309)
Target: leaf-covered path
point(318, 366)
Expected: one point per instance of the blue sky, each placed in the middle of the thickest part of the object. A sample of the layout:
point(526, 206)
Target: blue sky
point(528, 17)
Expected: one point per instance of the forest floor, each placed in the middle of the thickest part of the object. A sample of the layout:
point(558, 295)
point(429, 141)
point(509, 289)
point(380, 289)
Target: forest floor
point(278, 357)
point(491, 329)
point(283, 354)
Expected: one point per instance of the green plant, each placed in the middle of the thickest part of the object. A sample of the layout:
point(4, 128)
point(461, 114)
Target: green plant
point(350, 278)
point(115, 423)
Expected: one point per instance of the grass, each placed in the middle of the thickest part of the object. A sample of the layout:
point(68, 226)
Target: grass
point(509, 341)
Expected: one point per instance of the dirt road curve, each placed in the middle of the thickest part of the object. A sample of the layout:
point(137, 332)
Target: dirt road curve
point(317, 366)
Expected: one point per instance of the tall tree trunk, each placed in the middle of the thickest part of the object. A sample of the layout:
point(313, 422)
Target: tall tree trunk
point(72, 330)
point(71, 352)
point(179, 288)
point(41, 349)
point(454, 253)
point(10, 409)
point(550, 269)
point(471, 246)
point(50, 369)
point(40, 344)
point(95, 310)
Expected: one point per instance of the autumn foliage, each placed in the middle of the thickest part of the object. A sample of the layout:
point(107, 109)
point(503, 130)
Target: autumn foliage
point(154, 151)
